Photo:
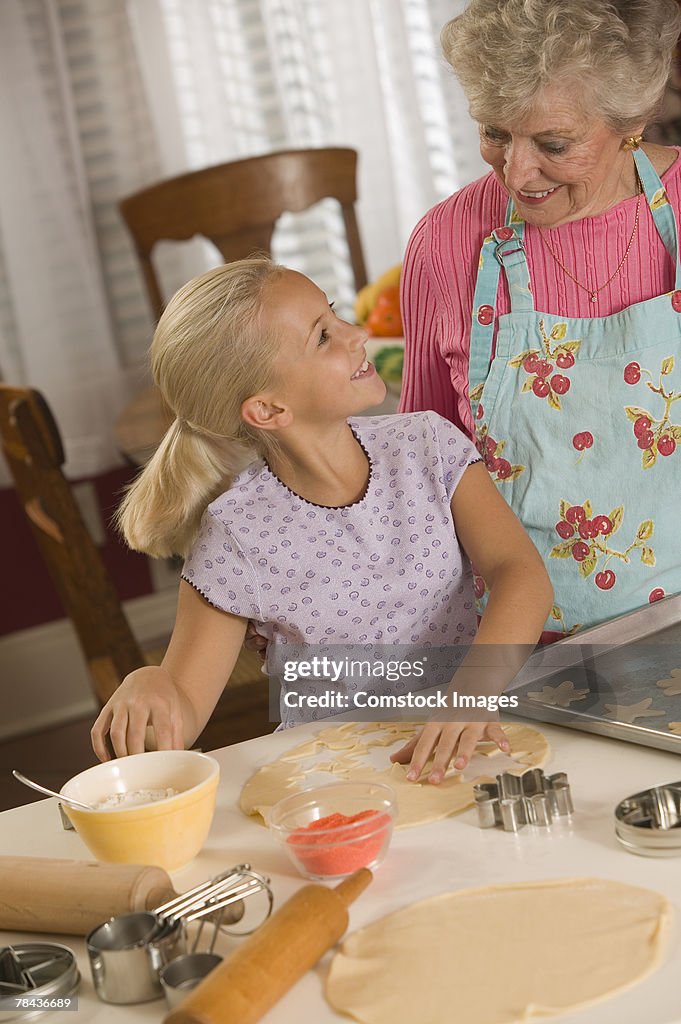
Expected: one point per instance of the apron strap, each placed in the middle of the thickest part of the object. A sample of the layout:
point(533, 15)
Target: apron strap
point(504, 247)
point(660, 207)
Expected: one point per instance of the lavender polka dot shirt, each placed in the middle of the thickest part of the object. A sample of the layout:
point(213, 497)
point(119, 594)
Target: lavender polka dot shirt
point(385, 570)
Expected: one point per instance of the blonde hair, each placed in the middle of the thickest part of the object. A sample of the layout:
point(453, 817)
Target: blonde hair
point(617, 52)
point(211, 351)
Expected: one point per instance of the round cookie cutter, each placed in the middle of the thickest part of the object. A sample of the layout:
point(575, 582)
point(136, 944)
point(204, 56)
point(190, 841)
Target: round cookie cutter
point(649, 823)
point(36, 971)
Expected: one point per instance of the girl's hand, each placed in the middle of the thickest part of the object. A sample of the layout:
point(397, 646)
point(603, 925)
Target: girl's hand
point(146, 698)
point(447, 739)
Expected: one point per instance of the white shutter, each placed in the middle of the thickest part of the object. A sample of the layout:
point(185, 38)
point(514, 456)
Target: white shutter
point(74, 319)
point(246, 75)
point(118, 151)
point(99, 98)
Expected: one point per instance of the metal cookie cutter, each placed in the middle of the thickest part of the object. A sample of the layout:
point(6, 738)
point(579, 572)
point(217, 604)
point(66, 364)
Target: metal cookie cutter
point(649, 822)
point(128, 952)
point(39, 972)
point(517, 800)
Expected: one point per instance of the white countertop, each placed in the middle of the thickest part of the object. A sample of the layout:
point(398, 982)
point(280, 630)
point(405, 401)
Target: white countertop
point(422, 861)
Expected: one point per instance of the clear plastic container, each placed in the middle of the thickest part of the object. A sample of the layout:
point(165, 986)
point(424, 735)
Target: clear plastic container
point(330, 831)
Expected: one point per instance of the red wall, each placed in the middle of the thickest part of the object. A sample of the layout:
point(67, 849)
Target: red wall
point(29, 597)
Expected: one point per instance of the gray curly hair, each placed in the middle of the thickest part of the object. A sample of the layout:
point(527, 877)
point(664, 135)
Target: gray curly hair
point(618, 52)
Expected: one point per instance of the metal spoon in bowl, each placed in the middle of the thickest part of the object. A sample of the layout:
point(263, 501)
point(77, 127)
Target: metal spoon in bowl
point(78, 804)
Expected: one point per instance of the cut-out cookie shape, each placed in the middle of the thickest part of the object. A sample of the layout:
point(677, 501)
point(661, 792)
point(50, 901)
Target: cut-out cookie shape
point(628, 713)
point(672, 686)
point(560, 696)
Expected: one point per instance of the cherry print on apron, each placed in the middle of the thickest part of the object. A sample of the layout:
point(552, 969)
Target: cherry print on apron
point(577, 422)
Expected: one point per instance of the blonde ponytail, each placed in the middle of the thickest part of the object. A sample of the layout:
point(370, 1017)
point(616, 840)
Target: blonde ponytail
point(210, 352)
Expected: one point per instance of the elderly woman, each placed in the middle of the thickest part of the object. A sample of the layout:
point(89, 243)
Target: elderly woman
point(542, 303)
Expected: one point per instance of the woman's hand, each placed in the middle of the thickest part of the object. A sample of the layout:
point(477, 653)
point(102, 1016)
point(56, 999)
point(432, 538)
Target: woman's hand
point(448, 740)
point(146, 698)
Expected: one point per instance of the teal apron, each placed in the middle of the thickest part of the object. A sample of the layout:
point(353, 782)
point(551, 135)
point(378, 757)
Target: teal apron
point(579, 425)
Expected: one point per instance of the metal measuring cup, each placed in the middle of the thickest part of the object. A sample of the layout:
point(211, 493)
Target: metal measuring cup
point(127, 953)
point(184, 974)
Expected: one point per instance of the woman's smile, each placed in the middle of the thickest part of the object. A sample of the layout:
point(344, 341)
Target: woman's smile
point(557, 139)
point(535, 198)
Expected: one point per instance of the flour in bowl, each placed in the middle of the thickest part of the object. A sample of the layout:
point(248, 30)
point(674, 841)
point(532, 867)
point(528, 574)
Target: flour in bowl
point(135, 797)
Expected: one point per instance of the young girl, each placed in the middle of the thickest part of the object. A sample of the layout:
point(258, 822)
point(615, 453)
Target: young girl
point(346, 529)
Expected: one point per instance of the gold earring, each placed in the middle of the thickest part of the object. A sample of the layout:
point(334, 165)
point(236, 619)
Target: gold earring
point(633, 142)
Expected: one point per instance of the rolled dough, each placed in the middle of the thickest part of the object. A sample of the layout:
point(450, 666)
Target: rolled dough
point(417, 802)
point(500, 954)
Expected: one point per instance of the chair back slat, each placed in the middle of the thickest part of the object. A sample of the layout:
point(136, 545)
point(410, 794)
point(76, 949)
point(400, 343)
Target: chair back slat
point(236, 205)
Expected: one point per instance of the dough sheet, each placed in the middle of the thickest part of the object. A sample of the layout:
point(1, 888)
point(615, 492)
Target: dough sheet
point(500, 954)
point(418, 802)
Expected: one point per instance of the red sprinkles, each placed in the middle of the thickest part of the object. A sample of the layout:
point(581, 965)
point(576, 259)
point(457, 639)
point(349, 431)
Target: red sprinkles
point(340, 843)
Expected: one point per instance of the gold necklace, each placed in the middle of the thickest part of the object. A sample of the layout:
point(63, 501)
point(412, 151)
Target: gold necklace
point(593, 292)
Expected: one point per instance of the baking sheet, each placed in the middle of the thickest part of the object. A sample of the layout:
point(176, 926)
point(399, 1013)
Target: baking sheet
point(625, 676)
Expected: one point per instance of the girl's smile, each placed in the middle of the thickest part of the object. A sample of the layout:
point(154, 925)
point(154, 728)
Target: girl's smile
point(323, 374)
point(367, 369)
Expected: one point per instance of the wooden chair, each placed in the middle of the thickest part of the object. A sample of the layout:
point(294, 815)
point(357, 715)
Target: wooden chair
point(32, 446)
point(237, 204)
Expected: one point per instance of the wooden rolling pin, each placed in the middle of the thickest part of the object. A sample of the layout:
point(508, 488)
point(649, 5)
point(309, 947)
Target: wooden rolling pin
point(73, 896)
point(265, 966)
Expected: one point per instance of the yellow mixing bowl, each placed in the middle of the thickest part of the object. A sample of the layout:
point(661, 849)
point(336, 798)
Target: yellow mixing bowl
point(167, 832)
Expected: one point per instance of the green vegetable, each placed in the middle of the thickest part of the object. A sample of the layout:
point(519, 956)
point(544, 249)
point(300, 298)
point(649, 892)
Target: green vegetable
point(389, 362)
